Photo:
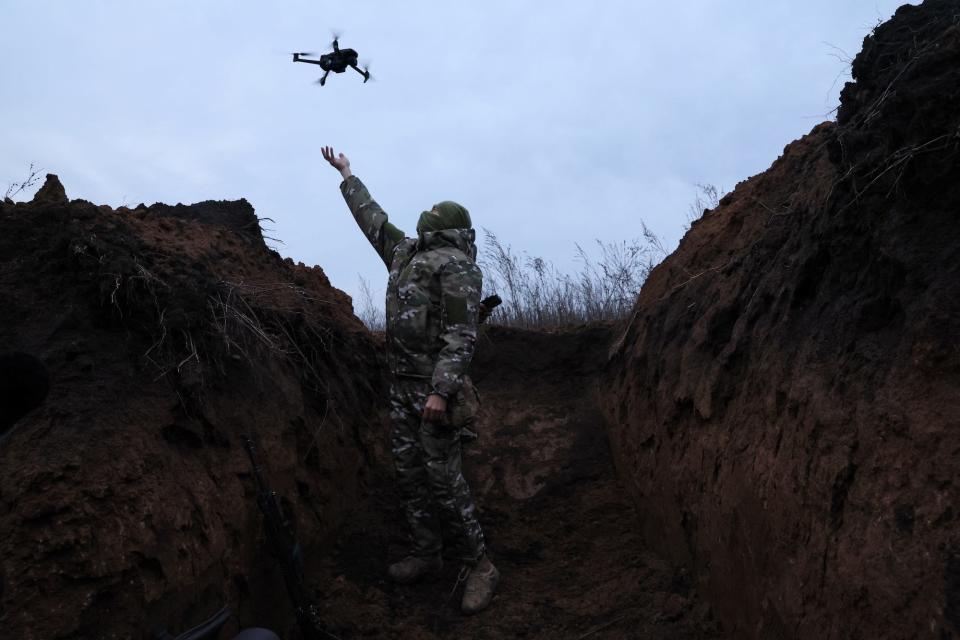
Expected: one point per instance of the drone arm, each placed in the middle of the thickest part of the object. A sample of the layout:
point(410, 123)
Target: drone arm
point(299, 59)
point(365, 74)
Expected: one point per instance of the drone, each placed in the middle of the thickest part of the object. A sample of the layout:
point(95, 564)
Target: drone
point(337, 61)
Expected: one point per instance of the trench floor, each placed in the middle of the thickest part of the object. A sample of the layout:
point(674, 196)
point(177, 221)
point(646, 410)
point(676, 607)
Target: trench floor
point(560, 527)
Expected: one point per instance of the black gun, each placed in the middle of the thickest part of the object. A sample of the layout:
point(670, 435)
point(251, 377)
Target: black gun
point(285, 548)
point(492, 302)
point(487, 305)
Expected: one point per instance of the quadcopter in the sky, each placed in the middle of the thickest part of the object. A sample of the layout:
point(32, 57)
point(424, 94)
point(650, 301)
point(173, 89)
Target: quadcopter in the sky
point(337, 61)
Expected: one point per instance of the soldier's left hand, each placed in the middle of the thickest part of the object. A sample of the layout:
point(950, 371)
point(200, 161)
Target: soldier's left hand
point(436, 409)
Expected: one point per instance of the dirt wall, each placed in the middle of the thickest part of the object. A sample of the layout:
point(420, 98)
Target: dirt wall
point(784, 403)
point(126, 500)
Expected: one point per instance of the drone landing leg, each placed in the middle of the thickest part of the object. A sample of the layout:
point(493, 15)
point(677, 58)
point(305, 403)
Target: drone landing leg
point(323, 80)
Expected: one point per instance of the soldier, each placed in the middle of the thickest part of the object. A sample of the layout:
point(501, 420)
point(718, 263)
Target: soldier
point(433, 300)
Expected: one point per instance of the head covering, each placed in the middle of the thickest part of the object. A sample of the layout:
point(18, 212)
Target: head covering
point(444, 215)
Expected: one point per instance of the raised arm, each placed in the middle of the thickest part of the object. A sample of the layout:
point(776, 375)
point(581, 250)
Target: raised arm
point(460, 285)
point(372, 220)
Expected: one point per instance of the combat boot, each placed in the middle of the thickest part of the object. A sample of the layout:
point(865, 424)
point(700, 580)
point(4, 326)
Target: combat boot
point(412, 568)
point(481, 583)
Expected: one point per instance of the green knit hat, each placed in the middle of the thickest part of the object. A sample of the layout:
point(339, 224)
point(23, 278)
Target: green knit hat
point(444, 215)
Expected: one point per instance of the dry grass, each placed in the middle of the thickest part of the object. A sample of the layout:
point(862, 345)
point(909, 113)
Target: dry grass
point(33, 176)
point(707, 197)
point(370, 312)
point(537, 294)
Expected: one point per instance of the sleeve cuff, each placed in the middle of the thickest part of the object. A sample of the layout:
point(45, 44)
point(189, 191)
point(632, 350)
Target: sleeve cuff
point(447, 388)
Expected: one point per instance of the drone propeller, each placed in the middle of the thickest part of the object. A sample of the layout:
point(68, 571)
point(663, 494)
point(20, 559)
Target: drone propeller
point(366, 70)
point(303, 53)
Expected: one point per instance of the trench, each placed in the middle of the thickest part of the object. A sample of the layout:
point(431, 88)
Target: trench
point(128, 502)
point(559, 523)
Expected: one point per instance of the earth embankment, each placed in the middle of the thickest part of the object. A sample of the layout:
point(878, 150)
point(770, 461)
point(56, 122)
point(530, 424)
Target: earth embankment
point(126, 498)
point(784, 403)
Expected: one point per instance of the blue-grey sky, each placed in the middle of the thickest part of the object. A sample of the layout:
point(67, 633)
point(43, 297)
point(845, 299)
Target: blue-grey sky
point(553, 122)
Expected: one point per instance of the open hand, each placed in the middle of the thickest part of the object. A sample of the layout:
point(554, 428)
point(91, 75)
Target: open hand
point(338, 161)
point(436, 409)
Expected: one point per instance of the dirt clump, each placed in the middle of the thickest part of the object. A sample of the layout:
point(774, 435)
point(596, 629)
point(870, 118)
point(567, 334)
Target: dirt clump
point(784, 403)
point(126, 500)
point(51, 191)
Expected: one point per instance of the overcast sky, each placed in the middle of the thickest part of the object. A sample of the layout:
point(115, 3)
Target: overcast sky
point(552, 122)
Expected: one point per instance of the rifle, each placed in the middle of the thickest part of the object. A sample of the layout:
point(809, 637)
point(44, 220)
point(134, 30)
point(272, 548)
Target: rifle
point(285, 548)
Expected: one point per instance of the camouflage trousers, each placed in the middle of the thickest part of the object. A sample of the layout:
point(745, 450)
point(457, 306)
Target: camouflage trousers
point(427, 460)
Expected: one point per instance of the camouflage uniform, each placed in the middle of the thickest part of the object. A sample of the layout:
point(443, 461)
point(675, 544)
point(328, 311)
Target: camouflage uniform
point(433, 295)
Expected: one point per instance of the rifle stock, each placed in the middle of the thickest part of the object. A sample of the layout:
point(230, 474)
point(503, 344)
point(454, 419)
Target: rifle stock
point(286, 549)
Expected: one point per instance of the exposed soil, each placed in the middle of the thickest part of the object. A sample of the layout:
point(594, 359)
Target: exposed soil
point(785, 403)
point(126, 499)
point(560, 527)
point(169, 332)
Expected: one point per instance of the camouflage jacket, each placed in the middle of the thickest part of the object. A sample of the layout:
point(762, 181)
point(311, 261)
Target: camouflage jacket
point(433, 294)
